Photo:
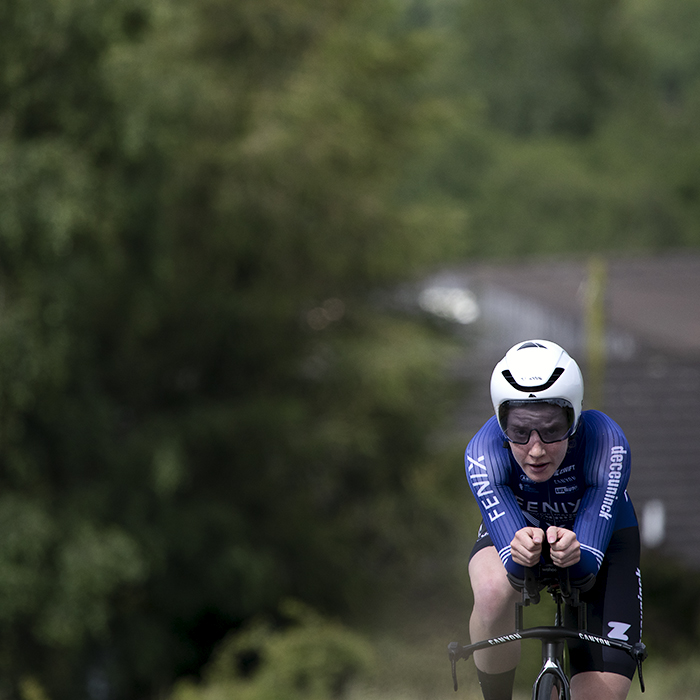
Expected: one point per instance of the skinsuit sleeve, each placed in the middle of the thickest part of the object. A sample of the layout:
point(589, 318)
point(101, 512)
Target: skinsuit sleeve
point(488, 468)
point(605, 505)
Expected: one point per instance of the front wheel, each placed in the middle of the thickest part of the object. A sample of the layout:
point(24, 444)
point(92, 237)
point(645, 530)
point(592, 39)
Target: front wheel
point(548, 688)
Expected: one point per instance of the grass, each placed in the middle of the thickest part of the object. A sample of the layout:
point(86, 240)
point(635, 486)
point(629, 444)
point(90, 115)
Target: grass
point(664, 681)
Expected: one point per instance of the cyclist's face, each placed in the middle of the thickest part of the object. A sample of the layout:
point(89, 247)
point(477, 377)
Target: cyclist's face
point(539, 460)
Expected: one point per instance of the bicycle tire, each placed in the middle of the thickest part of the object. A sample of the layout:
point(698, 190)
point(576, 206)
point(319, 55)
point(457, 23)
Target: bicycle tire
point(547, 684)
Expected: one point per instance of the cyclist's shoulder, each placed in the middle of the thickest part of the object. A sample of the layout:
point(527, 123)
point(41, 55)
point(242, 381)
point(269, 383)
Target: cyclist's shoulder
point(600, 437)
point(596, 423)
point(489, 439)
point(489, 429)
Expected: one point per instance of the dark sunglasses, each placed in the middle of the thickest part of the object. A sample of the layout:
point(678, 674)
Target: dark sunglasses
point(551, 428)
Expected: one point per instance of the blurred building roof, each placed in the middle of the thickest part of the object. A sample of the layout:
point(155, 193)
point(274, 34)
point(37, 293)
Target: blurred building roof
point(652, 370)
point(655, 300)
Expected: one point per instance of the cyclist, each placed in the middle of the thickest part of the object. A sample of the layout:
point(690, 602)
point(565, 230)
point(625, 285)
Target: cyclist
point(550, 480)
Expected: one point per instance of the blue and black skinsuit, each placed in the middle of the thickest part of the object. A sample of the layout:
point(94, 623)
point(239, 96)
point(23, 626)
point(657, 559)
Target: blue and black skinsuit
point(587, 494)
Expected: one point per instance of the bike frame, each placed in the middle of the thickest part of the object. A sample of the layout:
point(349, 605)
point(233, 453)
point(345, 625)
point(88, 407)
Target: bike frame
point(553, 638)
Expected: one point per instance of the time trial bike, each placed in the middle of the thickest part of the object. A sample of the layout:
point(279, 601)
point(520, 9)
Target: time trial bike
point(566, 594)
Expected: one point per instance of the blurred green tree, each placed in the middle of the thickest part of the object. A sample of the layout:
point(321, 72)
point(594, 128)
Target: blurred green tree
point(205, 407)
point(571, 139)
point(545, 67)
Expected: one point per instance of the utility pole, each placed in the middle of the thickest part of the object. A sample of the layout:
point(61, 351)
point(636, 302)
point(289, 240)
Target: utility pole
point(594, 327)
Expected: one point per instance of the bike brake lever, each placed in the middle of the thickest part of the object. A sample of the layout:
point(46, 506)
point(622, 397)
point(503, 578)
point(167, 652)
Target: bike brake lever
point(640, 653)
point(453, 647)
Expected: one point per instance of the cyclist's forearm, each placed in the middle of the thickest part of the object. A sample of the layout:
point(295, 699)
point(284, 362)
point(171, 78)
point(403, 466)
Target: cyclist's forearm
point(588, 564)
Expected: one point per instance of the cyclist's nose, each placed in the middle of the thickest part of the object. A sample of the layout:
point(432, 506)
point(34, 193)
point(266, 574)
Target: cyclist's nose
point(535, 444)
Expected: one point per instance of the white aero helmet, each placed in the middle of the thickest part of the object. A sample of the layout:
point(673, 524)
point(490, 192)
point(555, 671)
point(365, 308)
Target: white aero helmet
point(537, 371)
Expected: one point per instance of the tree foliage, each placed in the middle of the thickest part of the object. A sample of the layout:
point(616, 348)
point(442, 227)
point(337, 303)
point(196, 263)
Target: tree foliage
point(310, 658)
point(580, 128)
point(204, 409)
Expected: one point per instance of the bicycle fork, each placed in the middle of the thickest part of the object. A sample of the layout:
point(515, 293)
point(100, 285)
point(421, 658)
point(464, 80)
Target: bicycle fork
point(552, 652)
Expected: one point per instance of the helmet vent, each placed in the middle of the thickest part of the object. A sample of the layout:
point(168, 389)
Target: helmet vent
point(542, 387)
point(531, 344)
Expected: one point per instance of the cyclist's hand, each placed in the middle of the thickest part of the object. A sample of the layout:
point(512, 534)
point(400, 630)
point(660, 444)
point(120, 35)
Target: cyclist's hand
point(564, 548)
point(526, 546)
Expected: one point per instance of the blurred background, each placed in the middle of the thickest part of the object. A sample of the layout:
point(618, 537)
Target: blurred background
point(257, 261)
